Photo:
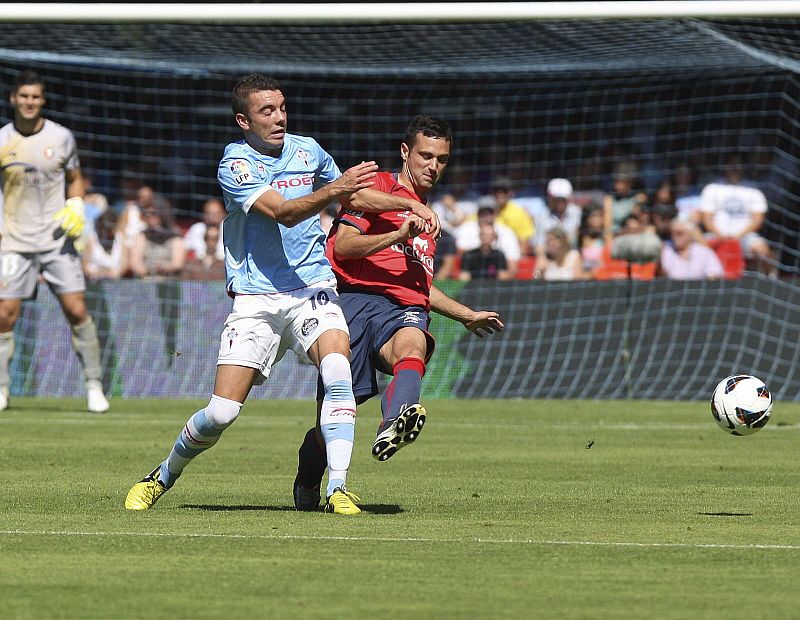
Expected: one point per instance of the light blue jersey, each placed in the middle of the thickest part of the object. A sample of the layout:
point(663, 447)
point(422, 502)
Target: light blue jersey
point(261, 255)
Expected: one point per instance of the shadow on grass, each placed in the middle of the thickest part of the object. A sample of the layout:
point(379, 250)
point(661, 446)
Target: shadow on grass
point(381, 509)
point(80, 407)
point(376, 509)
point(219, 508)
point(726, 514)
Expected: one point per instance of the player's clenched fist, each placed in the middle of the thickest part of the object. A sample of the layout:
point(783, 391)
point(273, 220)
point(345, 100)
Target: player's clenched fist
point(72, 217)
point(413, 226)
point(433, 226)
point(358, 177)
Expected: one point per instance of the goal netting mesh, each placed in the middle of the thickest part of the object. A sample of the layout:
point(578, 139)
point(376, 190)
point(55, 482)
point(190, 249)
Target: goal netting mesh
point(530, 100)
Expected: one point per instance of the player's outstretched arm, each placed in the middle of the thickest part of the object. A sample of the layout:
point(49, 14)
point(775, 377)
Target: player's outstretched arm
point(292, 212)
point(351, 243)
point(479, 322)
point(376, 201)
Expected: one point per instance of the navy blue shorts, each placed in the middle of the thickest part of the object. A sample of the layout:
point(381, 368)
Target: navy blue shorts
point(373, 320)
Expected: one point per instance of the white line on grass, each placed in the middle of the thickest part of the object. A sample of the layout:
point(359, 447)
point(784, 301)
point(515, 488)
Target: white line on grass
point(491, 541)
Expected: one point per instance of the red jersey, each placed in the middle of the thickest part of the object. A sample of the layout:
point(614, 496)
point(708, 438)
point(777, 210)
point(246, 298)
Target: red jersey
point(403, 271)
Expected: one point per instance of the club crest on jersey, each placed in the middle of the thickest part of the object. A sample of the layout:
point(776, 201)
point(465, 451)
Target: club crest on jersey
point(417, 251)
point(240, 171)
point(302, 156)
point(49, 153)
point(309, 325)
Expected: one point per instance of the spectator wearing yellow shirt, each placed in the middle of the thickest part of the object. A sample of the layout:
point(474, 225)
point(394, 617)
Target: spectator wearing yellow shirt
point(512, 214)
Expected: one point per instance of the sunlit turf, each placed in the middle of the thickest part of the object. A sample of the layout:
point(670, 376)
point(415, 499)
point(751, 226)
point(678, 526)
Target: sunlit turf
point(515, 509)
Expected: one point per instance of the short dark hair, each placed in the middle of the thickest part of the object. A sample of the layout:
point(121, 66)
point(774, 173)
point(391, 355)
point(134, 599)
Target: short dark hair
point(429, 126)
point(246, 86)
point(26, 78)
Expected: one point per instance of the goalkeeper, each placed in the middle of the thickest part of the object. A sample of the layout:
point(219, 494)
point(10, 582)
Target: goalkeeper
point(42, 222)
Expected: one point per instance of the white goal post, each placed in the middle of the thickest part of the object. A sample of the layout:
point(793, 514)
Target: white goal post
point(394, 12)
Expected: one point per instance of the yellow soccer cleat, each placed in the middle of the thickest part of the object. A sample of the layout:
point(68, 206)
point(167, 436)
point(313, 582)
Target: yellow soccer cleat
point(343, 502)
point(146, 492)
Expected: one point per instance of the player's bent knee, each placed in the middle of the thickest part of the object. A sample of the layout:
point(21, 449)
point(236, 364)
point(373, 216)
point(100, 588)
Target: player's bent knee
point(222, 412)
point(334, 367)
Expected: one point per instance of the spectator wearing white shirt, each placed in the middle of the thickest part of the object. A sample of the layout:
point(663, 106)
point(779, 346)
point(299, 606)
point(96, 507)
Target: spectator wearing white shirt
point(733, 209)
point(468, 234)
point(213, 215)
point(104, 255)
point(558, 212)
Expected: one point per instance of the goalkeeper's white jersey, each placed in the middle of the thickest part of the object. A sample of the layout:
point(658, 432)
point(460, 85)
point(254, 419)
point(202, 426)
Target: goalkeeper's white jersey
point(34, 185)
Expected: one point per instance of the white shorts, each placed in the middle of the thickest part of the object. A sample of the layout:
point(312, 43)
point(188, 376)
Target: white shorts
point(260, 328)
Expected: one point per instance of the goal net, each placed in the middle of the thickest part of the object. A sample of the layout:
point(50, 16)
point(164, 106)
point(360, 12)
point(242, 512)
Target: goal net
point(528, 99)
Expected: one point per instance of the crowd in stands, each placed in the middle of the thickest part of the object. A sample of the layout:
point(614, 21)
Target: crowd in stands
point(139, 238)
point(679, 231)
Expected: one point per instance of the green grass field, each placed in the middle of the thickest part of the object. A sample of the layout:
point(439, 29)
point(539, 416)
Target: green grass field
point(500, 510)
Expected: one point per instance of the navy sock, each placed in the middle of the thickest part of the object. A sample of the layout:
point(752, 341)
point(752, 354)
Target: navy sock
point(404, 389)
point(311, 461)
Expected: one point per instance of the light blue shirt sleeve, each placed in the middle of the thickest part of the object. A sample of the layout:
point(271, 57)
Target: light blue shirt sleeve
point(328, 170)
point(240, 183)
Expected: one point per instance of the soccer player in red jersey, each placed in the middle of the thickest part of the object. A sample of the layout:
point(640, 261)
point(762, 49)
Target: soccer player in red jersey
point(384, 269)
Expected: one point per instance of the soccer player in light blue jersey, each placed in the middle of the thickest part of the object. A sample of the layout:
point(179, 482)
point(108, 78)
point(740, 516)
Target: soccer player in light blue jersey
point(275, 184)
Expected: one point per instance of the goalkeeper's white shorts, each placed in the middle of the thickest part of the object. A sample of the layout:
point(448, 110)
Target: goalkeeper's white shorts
point(19, 272)
point(261, 328)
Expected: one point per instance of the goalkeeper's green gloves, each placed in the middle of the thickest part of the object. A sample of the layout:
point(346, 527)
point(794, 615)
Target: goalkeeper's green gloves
point(72, 217)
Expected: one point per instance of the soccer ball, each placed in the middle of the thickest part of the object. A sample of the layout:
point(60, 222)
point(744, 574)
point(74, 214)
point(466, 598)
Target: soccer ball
point(741, 404)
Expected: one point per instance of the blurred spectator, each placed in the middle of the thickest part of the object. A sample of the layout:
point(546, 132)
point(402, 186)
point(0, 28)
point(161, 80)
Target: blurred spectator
point(611, 268)
point(485, 262)
point(129, 184)
point(734, 209)
point(451, 212)
point(95, 203)
point(562, 261)
point(104, 255)
point(444, 261)
point(195, 238)
point(468, 234)
point(590, 240)
point(512, 214)
point(459, 203)
point(684, 258)
point(326, 217)
point(209, 266)
point(661, 211)
point(623, 201)
point(159, 249)
point(686, 194)
point(559, 212)
point(130, 218)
